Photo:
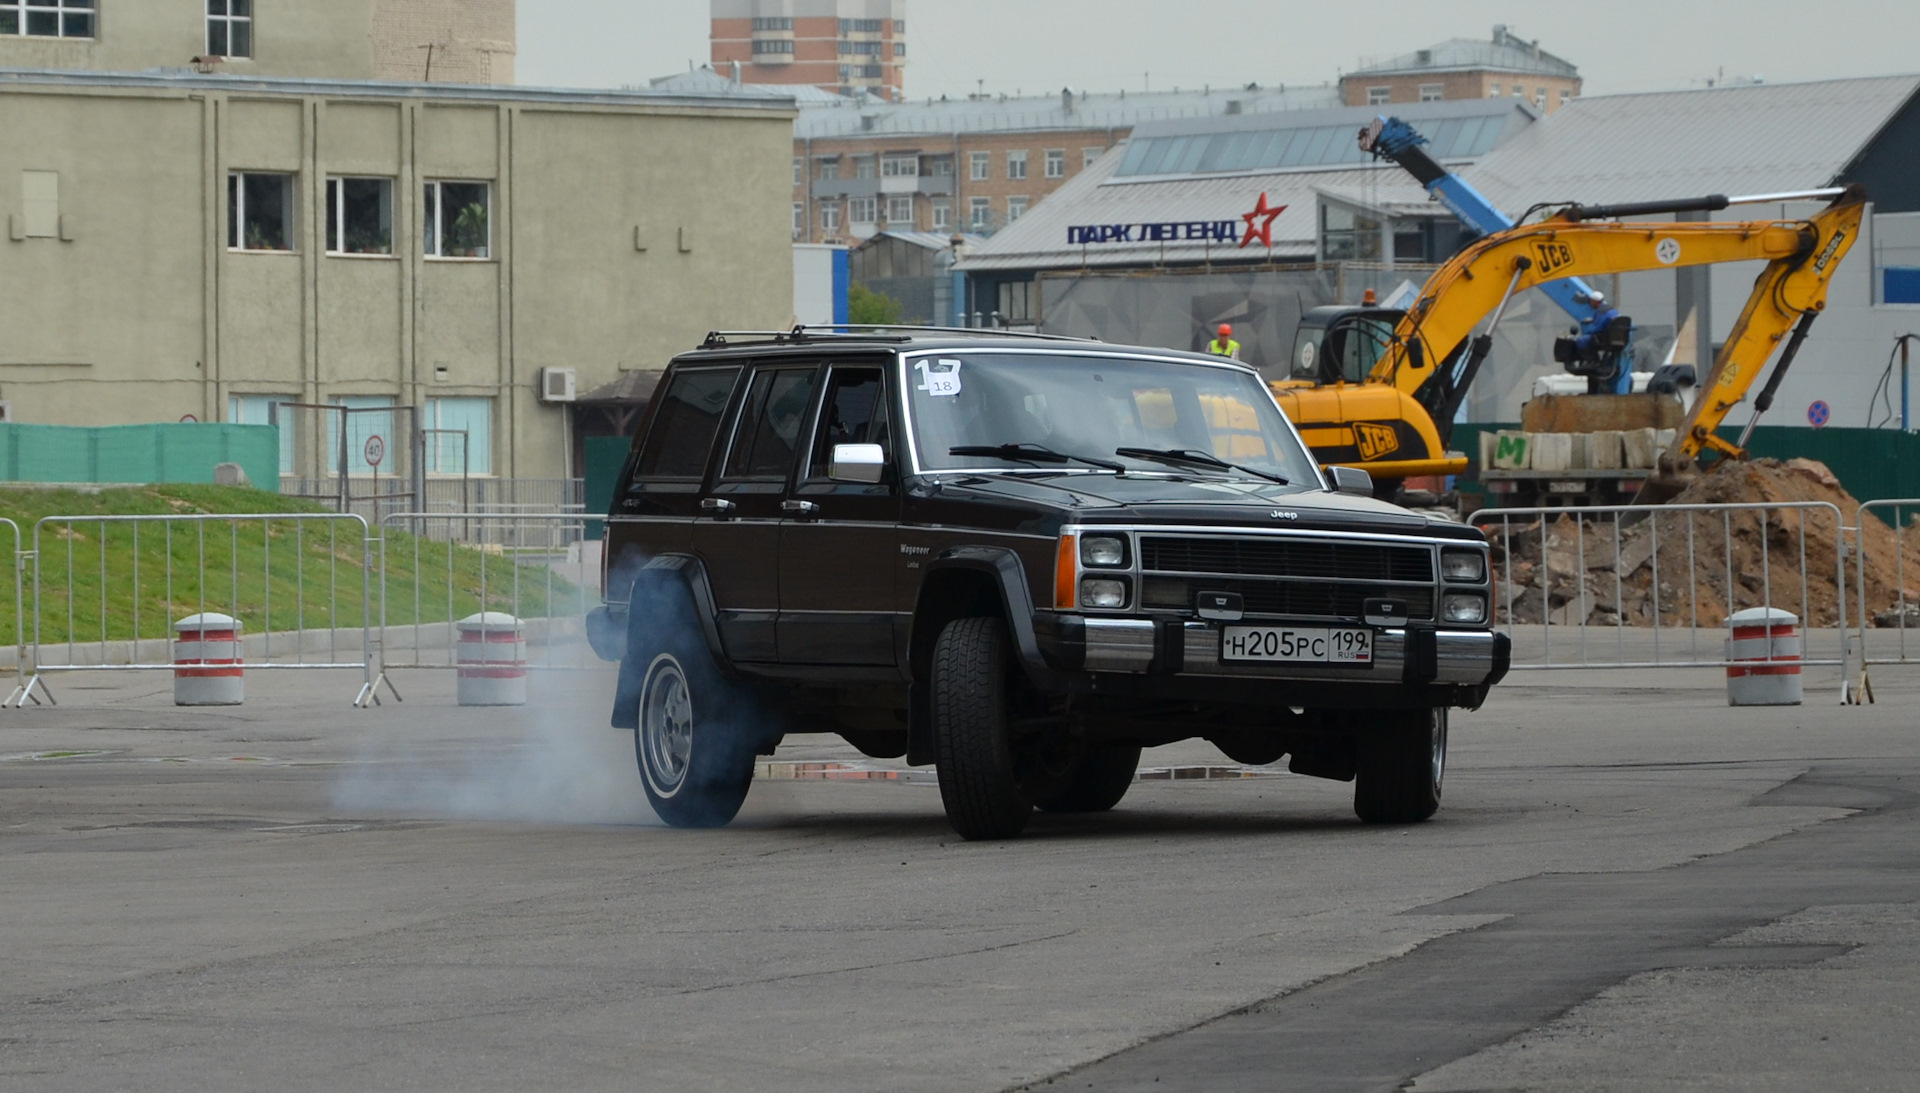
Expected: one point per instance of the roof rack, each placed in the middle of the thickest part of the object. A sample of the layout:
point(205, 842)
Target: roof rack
point(803, 334)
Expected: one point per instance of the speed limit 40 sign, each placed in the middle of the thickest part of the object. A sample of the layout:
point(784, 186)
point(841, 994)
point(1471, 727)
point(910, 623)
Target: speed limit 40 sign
point(375, 451)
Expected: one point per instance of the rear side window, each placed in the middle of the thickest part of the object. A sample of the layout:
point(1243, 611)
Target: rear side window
point(763, 445)
point(688, 420)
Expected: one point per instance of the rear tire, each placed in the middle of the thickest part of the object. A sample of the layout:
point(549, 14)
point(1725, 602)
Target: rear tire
point(973, 754)
point(1401, 765)
point(1095, 781)
point(694, 741)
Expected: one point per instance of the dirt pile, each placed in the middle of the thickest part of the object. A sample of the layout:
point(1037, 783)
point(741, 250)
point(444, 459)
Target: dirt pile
point(1658, 566)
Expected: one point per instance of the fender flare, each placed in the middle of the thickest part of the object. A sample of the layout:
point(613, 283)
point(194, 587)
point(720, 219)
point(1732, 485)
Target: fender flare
point(689, 574)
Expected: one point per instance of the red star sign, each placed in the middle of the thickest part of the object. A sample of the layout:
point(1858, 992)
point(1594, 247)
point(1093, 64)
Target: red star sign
point(1260, 223)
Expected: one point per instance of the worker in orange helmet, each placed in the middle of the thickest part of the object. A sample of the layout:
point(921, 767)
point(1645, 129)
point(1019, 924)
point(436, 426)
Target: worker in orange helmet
point(1224, 345)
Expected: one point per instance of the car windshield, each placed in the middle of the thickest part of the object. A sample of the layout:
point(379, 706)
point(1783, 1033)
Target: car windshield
point(1088, 407)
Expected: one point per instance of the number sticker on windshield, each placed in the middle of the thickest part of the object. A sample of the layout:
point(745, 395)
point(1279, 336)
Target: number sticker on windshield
point(944, 383)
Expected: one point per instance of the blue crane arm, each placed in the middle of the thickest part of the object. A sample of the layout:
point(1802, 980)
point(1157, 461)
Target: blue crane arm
point(1391, 138)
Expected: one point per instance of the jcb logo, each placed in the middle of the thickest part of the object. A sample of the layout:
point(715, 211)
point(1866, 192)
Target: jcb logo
point(1552, 256)
point(1375, 440)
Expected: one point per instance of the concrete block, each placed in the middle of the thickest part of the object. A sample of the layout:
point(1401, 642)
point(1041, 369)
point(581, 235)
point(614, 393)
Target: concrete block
point(1551, 451)
point(1640, 447)
point(230, 474)
point(1604, 450)
point(1512, 451)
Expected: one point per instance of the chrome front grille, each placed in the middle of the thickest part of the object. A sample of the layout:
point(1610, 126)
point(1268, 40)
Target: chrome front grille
point(1285, 576)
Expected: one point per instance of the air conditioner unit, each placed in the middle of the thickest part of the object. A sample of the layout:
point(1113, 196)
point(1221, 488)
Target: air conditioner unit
point(557, 384)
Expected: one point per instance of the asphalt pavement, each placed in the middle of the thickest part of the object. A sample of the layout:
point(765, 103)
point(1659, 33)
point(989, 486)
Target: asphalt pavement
point(1629, 886)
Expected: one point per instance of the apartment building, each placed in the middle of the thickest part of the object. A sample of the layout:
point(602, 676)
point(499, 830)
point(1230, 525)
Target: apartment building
point(440, 41)
point(847, 46)
point(1504, 66)
point(978, 164)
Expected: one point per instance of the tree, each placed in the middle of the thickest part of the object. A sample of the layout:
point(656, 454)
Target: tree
point(866, 307)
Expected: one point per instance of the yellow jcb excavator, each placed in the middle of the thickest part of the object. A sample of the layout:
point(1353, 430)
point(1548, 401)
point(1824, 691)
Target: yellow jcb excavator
point(1378, 389)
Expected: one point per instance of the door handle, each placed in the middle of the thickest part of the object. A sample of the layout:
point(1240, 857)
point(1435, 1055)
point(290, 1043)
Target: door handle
point(719, 506)
point(799, 508)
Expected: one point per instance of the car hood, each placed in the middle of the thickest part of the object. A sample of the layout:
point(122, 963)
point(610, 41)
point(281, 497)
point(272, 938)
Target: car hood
point(1197, 501)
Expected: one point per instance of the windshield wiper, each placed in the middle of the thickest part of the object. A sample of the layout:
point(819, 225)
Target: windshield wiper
point(1195, 458)
point(1033, 453)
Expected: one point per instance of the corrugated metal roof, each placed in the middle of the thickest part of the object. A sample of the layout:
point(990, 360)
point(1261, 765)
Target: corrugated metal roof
point(1760, 138)
point(1461, 129)
point(927, 240)
point(1039, 239)
point(1503, 53)
point(705, 81)
point(860, 118)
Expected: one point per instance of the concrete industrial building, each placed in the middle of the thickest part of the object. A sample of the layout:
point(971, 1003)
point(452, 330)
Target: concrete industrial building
point(207, 245)
point(1504, 66)
point(847, 46)
point(442, 41)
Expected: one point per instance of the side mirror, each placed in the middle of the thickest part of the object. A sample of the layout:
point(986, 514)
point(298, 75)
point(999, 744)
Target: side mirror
point(1351, 480)
point(857, 463)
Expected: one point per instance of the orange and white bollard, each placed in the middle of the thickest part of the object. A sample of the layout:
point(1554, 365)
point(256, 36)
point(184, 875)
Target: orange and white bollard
point(492, 660)
point(1763, 658)
point(207, 666)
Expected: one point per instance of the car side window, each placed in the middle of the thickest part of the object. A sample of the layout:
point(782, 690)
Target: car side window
point(768, 435)
point(685, 426)
point(854, 412)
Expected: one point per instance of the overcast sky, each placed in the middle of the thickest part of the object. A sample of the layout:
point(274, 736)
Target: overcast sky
point(1040, 46)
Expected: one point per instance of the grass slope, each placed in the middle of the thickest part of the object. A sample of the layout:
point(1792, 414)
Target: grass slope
point(102, 580)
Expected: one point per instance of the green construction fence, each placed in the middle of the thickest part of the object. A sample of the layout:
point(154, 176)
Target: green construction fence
point(145, 454)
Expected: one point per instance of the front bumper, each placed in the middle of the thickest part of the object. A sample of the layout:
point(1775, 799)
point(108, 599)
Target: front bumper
point(1169, 646)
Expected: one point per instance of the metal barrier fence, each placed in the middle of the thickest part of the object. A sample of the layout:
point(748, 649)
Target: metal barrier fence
point(107, 591)
point(18, 639)
point(1636, 587)
point(536, 567)
point(1901, 611)
point(378, 499)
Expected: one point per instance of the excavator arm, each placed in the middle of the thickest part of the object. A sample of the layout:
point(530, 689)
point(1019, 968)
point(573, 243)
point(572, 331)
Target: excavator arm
point(1388, 420)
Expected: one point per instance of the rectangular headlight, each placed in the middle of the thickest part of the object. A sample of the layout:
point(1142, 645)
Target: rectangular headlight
point(1103, 550)
point(1463, 566)
point(1470, 607)
point(1105, 593)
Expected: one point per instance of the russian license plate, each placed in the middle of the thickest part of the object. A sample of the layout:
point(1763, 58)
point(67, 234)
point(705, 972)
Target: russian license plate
point(1296, 644)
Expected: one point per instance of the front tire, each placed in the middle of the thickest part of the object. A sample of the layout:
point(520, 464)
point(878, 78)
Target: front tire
point(979, 784)
point(1401, 765)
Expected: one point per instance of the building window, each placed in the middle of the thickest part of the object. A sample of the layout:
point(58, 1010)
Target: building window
point(829, 169)
point(863, 210)
point(981, 164)
point(1519, 92)
point(899, 166)
point(259, 211)
point(1540, 97)
point(830, 218)
point(47, 18)
point(900, 210)
point(940, 166)
point(361, 427)
point(799, 220)
point(863, 167)
point(899, 49)
point(1493, 91)
point(1432, 92)
point(461, 438)
point(457, 219)
point(859, 49)
point(866, 72)
point(1016, 208)
point(1016, 165)
point(1566, 96)
point(777, 22)
point(799, 171)
point(261, 410)
point(1056, 163)
point(762, 46)
point(1088, 155)
point(1379, 96)
point(979, 213)
point(942, 214)
point(899, 26)
point(359, 216)
point(1016, 301)
point(229, 28)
